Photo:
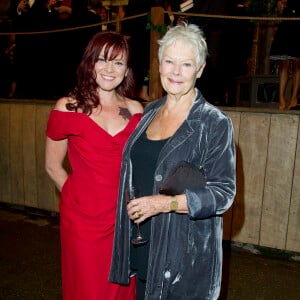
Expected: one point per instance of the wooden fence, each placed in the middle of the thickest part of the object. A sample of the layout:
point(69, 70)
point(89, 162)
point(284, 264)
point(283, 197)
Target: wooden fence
point(266, 210)
point(23, 179)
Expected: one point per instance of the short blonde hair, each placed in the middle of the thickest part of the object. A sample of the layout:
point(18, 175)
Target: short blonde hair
point(189, 33)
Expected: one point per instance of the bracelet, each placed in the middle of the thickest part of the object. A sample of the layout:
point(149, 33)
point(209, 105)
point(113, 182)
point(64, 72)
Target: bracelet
point(173, 204)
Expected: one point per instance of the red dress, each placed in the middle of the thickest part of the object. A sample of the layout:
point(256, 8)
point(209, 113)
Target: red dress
point(88, 205)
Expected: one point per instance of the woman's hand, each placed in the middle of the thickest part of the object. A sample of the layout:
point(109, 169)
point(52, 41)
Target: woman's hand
point(142, 208)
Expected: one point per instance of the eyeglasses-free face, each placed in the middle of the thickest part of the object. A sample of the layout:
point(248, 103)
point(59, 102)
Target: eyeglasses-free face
point(110, 73)
point(178, 69)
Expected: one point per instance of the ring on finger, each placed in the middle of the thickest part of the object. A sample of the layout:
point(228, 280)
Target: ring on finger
point(138, 214)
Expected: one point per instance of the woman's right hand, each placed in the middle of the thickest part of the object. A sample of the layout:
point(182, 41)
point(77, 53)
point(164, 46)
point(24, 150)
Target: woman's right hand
point(142, 208)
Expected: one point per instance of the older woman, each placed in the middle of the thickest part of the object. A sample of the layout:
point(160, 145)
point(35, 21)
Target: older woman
point(183, 258)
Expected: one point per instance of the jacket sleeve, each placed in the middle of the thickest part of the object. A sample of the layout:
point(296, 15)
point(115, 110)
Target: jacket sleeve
point(220, 167)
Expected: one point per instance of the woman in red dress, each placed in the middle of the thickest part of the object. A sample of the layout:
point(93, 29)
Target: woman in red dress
point(91, 125)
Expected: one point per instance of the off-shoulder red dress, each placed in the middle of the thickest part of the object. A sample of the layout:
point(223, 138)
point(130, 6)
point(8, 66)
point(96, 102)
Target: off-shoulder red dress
point(88, 205)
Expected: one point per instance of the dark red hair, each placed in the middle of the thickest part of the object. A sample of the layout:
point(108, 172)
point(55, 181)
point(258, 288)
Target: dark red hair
point(85, 91)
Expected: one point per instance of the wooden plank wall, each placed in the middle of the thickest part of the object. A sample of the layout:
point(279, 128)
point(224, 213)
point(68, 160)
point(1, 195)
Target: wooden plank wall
point(266, 210)
point(23, 179)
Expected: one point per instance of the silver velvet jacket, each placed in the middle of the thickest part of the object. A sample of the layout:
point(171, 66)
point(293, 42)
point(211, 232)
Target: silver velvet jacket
point(185, 258)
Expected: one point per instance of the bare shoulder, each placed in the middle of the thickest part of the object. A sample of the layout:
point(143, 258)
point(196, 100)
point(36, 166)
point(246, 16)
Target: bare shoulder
point(62, 102)
point(134, 106)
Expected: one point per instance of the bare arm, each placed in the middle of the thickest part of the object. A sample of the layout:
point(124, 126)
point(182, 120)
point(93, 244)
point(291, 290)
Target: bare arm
point(55, 154)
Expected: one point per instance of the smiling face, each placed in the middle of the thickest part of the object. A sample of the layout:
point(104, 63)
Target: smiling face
point(110, 73)
point(178, 69)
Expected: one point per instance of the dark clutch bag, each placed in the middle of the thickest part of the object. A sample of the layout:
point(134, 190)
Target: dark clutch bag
point(184, 176)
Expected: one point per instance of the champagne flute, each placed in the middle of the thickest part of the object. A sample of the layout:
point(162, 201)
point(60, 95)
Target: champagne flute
point(139, 239)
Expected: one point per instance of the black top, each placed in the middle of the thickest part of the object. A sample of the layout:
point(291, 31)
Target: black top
point(144, 156)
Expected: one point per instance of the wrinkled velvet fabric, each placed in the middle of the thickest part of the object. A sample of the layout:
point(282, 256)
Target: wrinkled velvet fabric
point(185, 259)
